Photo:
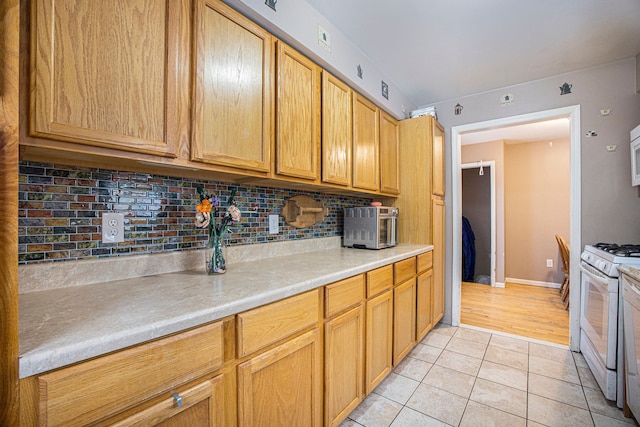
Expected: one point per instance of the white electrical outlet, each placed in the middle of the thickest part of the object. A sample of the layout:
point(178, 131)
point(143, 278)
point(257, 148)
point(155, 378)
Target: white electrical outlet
point(550, 263)
point(112, 227)
point(273, 224)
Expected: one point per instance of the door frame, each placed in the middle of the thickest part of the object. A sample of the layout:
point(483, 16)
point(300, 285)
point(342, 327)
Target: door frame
point(491, 165)
point(573, 114)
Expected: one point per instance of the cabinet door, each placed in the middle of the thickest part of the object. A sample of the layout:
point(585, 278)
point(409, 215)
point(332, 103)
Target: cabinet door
point(336, 131)
point(366, 142)
point(283, 386)
point(233, 79)
point(201, 405)
point(344, 364)
point(297, 115)
point(438, 158)
point(111, 73)
point(438, 224)
point(389, 154)
point(379, 340)
point(404, 319)
point(424, 290)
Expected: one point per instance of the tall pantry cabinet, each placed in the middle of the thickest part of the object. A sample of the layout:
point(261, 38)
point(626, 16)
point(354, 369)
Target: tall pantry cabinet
point(421, 200)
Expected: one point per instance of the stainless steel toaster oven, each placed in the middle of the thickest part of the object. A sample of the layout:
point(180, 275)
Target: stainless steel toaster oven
point(370, 227)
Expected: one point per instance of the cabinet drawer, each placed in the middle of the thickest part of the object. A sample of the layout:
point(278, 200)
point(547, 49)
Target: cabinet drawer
point(425, 261)
point(92, 390)
point(343, 294)
point(271, 323)
point(404, 270)
point(379, 280)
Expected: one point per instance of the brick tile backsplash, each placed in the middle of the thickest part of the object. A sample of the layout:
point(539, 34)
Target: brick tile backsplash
point(60, 212)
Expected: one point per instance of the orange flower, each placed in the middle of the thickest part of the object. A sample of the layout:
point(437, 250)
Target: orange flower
point(204, 206)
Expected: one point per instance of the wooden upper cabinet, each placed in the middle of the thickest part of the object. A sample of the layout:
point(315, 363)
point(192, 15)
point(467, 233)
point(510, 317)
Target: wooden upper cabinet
point(111, 73)
point(336, 131)
point(297, 115)
point(438, 159)
point(232, 99)
point(366, 133)
point(389, 154)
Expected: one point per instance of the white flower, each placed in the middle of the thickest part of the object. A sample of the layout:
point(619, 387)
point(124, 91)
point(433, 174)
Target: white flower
point(202, 219)
point(234, 212)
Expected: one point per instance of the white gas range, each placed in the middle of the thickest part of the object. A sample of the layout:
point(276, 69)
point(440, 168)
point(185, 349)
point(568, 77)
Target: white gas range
point(601, 304)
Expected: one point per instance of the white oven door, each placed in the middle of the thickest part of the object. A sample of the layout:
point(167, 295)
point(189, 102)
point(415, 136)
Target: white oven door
point(599, 313)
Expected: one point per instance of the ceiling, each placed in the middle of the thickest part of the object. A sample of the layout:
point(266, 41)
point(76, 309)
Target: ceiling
point(436, 50)
point(548, 131)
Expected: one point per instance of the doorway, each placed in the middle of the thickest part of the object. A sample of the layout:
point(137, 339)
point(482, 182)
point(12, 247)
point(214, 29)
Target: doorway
point(572, 113)
point(478, 189)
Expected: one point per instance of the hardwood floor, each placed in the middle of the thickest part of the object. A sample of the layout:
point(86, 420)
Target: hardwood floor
point(523, 310)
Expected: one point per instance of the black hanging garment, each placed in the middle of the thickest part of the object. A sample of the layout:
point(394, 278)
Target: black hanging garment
point(468, 251)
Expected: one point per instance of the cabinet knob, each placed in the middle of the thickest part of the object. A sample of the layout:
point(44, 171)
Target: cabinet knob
point(178, 399)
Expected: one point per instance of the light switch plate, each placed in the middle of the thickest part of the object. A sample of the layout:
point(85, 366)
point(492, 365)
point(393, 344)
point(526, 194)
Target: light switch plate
point(112, 227)
point(273, 224)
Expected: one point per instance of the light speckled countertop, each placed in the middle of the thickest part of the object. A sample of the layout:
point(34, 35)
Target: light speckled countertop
point(62, 326)
point(630, 271)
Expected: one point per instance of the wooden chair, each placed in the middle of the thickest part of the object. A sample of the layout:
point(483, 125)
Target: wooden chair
point(564, 255)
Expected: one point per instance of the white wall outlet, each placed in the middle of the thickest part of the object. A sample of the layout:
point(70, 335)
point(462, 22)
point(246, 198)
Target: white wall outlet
point(605, 112)
point(550, 263)
point(112, 227)
point(324, 38)
point(611, 148)
point(273, 224)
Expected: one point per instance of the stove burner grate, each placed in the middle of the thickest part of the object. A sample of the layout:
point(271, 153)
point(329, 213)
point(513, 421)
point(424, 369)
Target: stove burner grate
point(619, 250)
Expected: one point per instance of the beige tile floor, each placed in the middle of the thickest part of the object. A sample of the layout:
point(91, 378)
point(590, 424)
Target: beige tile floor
point(466, 377)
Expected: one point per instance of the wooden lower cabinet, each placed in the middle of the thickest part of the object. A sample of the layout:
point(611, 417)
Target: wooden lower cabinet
point(344, 363)
point(379, 340)
point(306, 360)
point(198, 406)
point(404, 319)
point(283, 386)
point(424, 304)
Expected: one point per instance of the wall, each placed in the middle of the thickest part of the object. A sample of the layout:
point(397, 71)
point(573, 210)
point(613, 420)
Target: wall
point(60, 213)
point(536, 188)
point(486, 151)
point(476, 207)
point(296, 22)
point(609, 205)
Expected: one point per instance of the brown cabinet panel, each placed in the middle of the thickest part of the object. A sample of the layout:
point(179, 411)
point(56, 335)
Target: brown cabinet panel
point(438, 215)
point(404, 319)
point(283, 386)
point(389, 154)
point(424, 304)
point(379, 280)
point(404, 270)
point(344, 364)
point(271, 323)
point(233, 89)
point(111, 74)
point(438, 159)
point(337, 131)
point(366, 143)
point(297, 115)
point(343, 294)
point(379, 340)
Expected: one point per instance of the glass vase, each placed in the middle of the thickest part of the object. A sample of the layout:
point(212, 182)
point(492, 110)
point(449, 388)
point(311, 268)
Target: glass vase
point(215, 255)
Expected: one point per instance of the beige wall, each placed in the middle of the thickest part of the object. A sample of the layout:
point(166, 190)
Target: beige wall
point(537, 181)
point(492, 151)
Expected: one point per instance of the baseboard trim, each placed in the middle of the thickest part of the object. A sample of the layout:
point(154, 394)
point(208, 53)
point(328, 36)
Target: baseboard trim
point(533, 283)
